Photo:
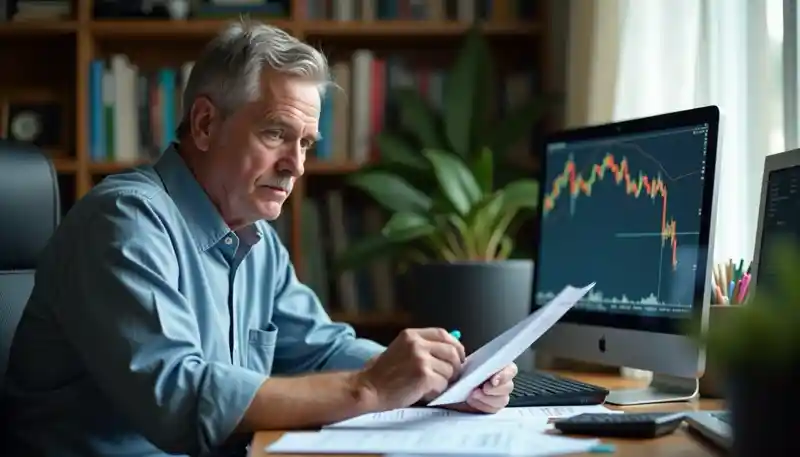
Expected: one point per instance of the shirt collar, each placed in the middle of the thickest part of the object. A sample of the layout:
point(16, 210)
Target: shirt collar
point(204, 221)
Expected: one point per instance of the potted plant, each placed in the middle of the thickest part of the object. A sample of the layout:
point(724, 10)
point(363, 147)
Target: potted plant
point(456, 244)
point(453, 220)
point(757, 349)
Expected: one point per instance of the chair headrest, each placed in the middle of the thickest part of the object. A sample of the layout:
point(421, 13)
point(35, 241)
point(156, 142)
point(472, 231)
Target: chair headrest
point(30, 206)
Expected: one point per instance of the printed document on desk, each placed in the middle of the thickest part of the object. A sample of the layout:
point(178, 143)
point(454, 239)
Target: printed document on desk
point(533, 418)
point(504, 349)
point(469, 442)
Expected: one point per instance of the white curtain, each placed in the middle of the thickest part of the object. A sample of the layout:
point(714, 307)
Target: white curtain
point(679, 54)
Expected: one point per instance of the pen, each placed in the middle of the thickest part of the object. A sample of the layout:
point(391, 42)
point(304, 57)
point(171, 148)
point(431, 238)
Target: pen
point(730, 272)
point(745, 285)
point(456, 334)
point(730, 289)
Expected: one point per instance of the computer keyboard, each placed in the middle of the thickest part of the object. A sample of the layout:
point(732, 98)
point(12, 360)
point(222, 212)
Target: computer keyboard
point(536, 388)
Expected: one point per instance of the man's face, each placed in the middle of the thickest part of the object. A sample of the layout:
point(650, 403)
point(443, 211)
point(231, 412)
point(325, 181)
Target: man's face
point(255, 155)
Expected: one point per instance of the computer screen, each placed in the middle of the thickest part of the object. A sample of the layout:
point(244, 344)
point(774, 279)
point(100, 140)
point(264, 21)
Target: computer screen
point(625, 211)
point(781, 217)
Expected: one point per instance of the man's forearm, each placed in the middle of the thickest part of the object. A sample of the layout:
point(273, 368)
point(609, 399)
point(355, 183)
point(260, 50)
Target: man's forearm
point(307, 401)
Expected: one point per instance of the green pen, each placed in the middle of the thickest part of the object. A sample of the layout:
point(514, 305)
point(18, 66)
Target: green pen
point(456, 334)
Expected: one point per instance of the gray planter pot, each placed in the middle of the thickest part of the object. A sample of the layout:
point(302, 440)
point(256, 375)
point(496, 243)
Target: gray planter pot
point(480, 299)
point(764, 402)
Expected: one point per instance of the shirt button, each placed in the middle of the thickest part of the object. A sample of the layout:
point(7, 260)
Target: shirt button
point(229, 241)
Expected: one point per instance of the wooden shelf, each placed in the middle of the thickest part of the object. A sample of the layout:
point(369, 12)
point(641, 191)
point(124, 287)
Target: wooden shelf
point(65, 165)
point(420, 29)
point(141, 28)
point(331, 168)
point(206, 28)
point(106, 168)
point(37, 28)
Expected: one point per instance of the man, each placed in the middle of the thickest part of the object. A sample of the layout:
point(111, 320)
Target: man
point(166, 316)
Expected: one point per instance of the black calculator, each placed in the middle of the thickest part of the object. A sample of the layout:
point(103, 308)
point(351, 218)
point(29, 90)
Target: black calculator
point(621, 425)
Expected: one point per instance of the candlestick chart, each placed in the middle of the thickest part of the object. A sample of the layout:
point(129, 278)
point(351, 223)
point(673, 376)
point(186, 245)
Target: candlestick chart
point(626, 214)
point(618, 171)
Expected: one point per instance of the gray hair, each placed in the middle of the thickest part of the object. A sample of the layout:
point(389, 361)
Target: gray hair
point(229, 69)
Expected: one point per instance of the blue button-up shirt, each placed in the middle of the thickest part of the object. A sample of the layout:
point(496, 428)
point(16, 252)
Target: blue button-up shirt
point(152, 325)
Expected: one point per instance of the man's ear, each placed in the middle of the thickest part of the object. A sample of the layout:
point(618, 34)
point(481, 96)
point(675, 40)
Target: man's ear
point(203, 120)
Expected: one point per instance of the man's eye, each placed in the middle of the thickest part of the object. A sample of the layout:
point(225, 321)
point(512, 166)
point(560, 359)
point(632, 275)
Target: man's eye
point(273, 134)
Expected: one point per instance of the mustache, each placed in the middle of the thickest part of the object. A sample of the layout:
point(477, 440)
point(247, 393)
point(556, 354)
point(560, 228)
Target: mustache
point(281, 182)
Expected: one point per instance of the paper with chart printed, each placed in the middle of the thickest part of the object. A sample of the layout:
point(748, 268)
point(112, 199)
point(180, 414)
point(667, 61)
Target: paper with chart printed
point(531, 418)
point(430, 442)
point(504, 349)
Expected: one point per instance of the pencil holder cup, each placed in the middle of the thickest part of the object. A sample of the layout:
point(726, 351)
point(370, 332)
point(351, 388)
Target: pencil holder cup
point(712, 381)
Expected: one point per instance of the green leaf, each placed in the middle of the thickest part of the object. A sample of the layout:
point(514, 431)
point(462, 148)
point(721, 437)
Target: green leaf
point(500, 231)
point(455, 180)
point(464, 243)
point(509, 131)
point(523, 193)
point(417, 117)
point(518, 195)
point(483, 169)
point(407, 226)
point(487, 208)
point(364, 251)
point(391, 191)
point(484, 218)
point(506, 246)
point(460, 92)
point(396, 151)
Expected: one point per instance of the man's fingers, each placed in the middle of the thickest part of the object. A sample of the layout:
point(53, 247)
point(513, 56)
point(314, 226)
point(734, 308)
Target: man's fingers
point(486, 403)
point(503, 376)
point(444, 368)
point(446, 353)
point(511, 371)
point(440, 379)
point(501, 390)
point(440, 335)
point(507, 373)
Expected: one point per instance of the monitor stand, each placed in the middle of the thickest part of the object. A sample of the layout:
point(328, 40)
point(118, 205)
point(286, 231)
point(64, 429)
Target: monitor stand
point(662, 389)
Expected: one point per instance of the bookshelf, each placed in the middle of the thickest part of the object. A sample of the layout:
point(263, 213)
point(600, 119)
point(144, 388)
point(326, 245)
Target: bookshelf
point(53, 61)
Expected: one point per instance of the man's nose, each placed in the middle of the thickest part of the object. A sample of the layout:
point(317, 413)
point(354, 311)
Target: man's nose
point(295, 161)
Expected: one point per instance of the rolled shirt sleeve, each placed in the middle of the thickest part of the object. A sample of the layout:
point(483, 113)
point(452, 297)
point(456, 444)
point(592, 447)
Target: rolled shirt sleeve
point(308, 340)
point(139, 337)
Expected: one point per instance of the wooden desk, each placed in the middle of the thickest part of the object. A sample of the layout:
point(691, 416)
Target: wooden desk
point(678, 444)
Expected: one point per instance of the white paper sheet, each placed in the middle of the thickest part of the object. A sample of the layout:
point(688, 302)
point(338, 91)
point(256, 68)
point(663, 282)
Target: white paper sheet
point(552, 412)
point(529, 418)
point(504, 349)
point(413, 420)
point(451, 442)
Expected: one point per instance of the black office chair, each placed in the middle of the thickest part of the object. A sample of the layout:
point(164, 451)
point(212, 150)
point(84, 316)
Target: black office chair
point(30, 210)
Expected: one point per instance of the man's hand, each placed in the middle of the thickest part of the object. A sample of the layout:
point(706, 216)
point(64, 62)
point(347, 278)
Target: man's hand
point(417, 364)
point(493, 395)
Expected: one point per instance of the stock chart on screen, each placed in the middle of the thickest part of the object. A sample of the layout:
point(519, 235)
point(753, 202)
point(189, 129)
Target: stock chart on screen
point(624, 212)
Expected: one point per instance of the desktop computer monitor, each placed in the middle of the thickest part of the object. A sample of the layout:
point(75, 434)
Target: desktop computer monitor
point(778, 212)
point(630, 206)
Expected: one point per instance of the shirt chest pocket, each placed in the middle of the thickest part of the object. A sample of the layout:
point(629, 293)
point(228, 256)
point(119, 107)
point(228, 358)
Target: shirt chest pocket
point(261, 348)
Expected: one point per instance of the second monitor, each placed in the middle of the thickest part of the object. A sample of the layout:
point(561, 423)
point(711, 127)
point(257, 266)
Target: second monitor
point(630, 205)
